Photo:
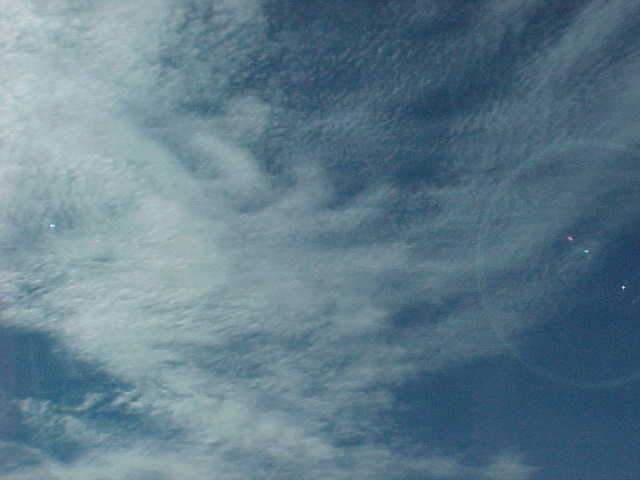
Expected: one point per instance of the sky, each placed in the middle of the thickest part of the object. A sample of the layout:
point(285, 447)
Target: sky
point(279, 239)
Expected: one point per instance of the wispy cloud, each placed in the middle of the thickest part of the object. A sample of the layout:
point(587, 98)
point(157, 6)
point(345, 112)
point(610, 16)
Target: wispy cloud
point(242, 304)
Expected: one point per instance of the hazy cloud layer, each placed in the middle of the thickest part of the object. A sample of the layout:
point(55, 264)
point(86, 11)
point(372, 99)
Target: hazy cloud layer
point(233, 245)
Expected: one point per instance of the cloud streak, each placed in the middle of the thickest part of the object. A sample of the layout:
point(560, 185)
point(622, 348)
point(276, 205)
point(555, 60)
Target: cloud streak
point(243, 300)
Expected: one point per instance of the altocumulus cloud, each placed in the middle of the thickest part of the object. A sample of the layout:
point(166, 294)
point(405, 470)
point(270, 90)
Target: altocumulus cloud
point(223, 240)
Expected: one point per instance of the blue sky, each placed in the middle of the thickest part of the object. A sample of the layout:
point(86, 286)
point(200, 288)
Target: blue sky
point(247, 239)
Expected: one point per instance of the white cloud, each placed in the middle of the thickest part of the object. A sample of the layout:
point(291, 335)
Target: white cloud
point(243, 335)
point(508, 466)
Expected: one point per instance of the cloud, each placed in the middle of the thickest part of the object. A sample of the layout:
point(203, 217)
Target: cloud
point(245, 318)
point(508, 466)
